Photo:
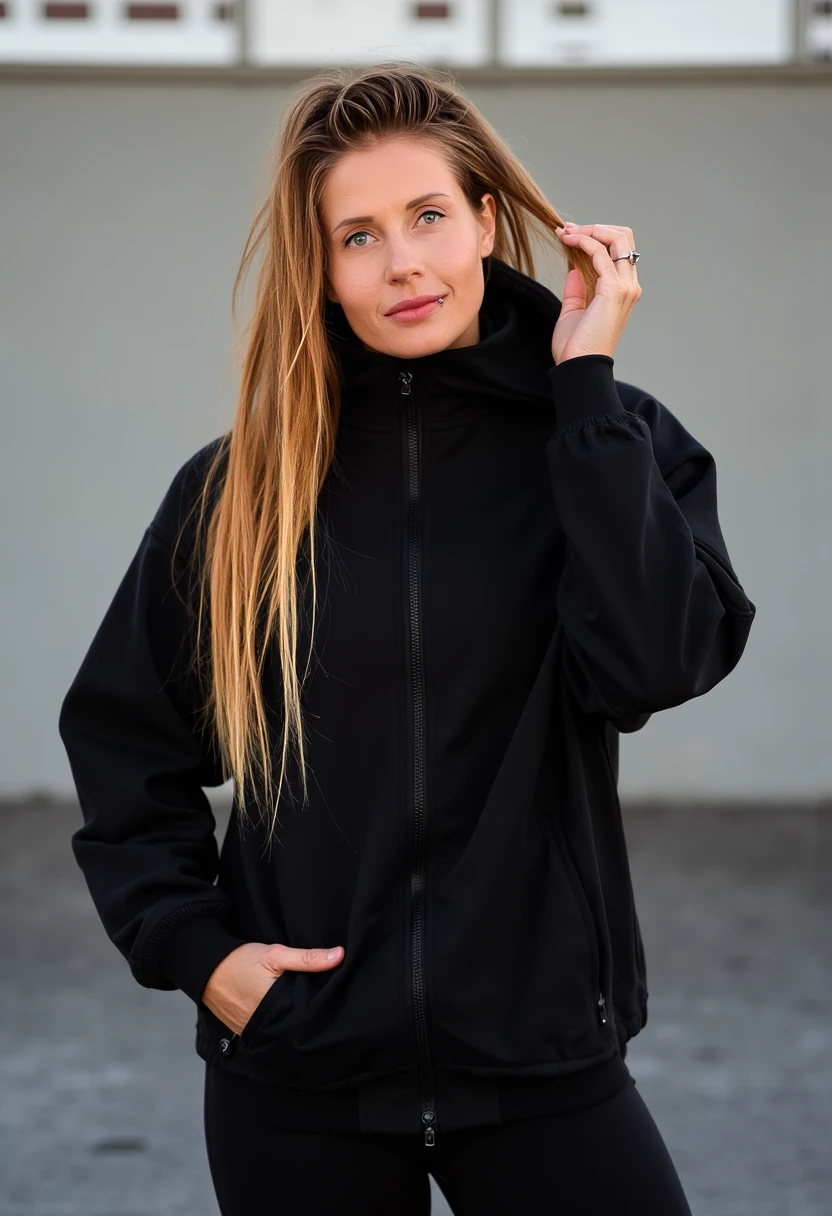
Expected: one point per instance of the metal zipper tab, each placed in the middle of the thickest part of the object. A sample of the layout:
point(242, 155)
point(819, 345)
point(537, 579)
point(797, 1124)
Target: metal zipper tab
point(411, 424)
point(602, 1009)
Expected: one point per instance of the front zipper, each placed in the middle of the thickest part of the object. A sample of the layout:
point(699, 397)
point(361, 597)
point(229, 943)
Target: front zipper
point(411, 423)
point(417, 874)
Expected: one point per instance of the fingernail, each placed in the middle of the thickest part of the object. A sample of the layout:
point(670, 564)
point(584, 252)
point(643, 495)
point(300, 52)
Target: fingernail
point(333, 953)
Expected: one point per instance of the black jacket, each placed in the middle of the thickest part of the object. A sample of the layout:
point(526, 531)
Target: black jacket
point(522, 560)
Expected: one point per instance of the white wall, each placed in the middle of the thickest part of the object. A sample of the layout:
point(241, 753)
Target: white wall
point(124, 207)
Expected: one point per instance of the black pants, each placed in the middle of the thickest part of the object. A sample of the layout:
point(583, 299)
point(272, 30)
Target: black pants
point(607, 1158)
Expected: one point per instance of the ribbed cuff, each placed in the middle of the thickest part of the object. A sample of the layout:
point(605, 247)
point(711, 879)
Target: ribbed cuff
point(192, 952)
point(584, 386)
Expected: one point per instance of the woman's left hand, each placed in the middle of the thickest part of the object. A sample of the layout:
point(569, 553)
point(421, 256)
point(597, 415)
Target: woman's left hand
point(595, 330)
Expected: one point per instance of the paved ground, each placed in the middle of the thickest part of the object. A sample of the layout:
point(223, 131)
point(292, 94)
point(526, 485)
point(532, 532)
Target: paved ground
point(100, 1090)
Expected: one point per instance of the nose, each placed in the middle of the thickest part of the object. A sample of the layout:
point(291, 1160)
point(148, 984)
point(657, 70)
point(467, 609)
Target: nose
point(403, 263)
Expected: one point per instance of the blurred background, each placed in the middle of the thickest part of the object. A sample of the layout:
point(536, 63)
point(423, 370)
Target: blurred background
point(134, 145)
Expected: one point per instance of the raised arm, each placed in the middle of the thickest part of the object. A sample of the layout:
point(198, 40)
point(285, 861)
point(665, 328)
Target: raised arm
point(651, 610)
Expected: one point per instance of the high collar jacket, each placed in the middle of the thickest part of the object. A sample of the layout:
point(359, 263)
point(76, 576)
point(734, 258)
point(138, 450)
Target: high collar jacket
point(518, 561)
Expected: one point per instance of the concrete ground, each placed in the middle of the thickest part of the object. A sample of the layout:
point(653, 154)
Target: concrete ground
point(101, 1090)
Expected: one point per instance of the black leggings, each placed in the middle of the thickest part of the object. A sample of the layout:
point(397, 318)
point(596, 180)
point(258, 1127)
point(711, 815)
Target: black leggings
point(606, 1158)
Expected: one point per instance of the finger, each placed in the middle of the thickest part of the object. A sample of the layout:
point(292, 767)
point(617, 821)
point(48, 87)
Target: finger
point(605, 234)
point(597, 251)
point(609, 235)
point(602, 256)
point(305, 958)
point(602, 232)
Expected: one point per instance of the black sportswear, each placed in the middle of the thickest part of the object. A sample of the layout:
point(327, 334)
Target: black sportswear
point(521, 561)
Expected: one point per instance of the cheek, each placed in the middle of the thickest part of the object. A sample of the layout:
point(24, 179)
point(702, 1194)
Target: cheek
point(465, 288)
point(349, 278)
point(461, 270)
point(357, 296)
point(364, 314)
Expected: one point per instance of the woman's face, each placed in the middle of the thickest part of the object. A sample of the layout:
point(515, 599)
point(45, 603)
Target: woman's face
point(398, 226)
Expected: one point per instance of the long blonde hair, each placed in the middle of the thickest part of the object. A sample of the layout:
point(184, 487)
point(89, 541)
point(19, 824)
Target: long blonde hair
point(270, 466)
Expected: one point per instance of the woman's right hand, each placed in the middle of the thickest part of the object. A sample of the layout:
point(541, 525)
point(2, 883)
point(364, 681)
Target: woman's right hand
point(238, 984)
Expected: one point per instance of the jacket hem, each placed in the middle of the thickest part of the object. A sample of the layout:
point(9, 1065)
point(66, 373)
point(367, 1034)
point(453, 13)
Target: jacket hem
point(389, 1103)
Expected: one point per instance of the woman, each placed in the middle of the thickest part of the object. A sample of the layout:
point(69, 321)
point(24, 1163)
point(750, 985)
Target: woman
point(448, 558)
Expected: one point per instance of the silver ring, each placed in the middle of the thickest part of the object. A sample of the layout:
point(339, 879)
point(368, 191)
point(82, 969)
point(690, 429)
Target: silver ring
point(632, 257)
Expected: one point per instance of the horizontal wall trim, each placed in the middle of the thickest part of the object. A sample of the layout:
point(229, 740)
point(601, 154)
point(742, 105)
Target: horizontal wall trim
point(237, 75)
point(817, 805)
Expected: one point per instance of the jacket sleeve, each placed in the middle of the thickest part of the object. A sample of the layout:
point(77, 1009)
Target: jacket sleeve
point(651, 611)
point(147, 847)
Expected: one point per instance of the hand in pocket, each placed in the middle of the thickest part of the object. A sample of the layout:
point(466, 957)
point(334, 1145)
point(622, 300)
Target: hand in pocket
point(238, 984)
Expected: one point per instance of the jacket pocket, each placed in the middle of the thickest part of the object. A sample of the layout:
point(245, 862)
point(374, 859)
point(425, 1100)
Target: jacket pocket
point(629, 991)
point(595, 978)
point(270, 998)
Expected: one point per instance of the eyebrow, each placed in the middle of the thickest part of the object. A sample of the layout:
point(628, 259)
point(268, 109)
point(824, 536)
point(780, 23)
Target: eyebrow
point(368, 219)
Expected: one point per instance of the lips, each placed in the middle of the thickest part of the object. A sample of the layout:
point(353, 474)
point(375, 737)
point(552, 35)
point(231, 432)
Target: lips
point(414, 302)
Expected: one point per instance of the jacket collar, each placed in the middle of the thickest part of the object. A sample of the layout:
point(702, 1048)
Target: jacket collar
point(508, 365)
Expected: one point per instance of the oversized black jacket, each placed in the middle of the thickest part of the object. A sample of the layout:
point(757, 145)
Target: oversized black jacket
point(522, 560)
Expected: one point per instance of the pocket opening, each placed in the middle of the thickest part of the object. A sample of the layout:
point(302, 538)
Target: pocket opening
point(590, 928)
point(271, 994)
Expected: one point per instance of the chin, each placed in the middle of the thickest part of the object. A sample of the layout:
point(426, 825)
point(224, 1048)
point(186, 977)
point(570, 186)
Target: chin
point(420, 346)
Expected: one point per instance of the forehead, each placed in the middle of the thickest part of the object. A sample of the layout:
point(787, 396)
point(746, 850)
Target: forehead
point(385, 176)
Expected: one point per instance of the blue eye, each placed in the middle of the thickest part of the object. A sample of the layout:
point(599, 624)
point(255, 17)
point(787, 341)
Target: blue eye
point(429, 211)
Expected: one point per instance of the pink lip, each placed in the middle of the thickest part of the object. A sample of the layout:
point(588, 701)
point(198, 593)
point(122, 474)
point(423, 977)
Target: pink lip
point(415, 309)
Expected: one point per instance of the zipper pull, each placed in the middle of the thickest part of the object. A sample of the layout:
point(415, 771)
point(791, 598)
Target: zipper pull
point(602, 1009)
point(405, 378)
point(428, 1118)
point(227, 1045)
